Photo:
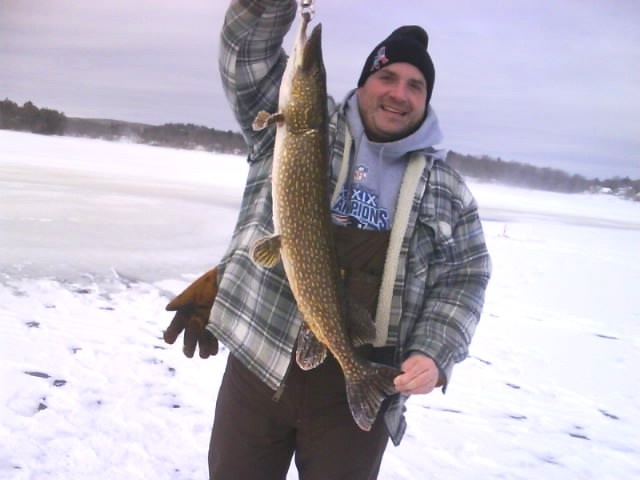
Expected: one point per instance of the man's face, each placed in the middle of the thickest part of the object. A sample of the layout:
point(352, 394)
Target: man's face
point(392, 102)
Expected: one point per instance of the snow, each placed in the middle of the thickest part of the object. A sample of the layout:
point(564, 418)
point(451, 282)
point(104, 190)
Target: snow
point(96, 237)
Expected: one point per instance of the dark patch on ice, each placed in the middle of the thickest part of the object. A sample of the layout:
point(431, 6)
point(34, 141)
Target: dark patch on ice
point(42, 405)
point(58, 382)
point(126, 280)
point(450, 410)
point(482, 360)
point(33, 324)
point(175, 405)
point(107, 308)
point(82, 291)
point(609, 414)
point(578, 433)
point(38, 374)
point(606, 337)
point(17, 467)
point(49, 306)
point(520, 418)
point(159, 347)
point(171, 370)
point(445, 410)
point(513, 385)
point(75, 350)
point(550, 460)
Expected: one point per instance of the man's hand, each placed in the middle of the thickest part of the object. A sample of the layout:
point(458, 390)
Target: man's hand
point(420, 375)
point(192, 309)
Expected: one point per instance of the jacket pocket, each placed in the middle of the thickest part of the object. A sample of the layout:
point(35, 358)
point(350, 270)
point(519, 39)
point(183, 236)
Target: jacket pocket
point(432, 246)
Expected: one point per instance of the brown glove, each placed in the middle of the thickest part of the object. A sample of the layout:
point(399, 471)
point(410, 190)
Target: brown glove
point(192, 309)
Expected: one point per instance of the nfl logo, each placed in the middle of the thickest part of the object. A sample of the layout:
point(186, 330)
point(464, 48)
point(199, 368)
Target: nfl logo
point(360, 173)
point(380, 60)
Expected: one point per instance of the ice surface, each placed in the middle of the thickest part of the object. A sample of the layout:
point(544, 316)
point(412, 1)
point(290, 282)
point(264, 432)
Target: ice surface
point(96, 237)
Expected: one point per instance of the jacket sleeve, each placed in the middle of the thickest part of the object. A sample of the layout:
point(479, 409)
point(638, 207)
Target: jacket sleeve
point(252, 60)
point(458, 281)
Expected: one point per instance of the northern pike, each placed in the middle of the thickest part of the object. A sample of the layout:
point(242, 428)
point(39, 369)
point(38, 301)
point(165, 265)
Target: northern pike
point(303, 238)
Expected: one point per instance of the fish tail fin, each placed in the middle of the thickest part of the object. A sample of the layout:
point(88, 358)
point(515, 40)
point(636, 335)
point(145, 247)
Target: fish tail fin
point(366, 396)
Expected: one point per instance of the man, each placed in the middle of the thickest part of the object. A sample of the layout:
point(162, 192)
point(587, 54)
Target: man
point(409, 242)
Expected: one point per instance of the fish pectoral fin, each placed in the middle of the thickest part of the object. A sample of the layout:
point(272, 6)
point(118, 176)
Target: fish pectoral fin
point(365, 397)
point(310, 351)
point(266, 251)
point(361, 326)
point(264, 119)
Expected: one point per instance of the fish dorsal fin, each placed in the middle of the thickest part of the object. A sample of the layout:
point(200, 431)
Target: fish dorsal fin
point(362, 329)
point(266, 251)
point(264, 119)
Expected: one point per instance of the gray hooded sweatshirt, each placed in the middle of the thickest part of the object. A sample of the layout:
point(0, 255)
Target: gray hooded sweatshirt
point(369, 195)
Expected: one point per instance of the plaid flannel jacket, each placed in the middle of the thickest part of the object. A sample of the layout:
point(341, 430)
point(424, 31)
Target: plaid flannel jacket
point(443, 267)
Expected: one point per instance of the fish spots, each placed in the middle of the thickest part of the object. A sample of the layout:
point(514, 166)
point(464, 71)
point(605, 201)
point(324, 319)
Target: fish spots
point(302, 219)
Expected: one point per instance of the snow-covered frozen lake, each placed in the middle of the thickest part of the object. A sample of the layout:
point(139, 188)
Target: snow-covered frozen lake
point(96, 238)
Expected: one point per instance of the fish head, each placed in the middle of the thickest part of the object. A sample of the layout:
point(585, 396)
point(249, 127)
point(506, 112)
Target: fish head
point(307, 108)
point(312, 62)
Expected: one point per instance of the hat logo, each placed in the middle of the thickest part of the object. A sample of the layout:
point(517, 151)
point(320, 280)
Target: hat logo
point(380, 59)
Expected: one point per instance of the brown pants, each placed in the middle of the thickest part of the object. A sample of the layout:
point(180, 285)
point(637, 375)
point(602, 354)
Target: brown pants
point(255, 437)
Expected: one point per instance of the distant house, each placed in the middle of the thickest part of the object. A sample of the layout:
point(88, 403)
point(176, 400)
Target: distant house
point(601, 190)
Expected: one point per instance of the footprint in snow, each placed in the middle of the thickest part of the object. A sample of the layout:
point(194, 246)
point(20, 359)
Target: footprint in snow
point(608, 414)
point(56, 382)
point(579, 433)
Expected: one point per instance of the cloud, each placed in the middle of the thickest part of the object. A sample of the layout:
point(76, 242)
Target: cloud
point(550, 80)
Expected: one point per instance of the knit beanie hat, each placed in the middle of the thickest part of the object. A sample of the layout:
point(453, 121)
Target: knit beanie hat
point(405, 44)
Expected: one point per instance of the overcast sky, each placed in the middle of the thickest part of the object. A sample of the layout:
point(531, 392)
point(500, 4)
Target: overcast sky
point(549, 82)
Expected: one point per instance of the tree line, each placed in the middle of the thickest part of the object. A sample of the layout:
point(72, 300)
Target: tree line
point(524, 175)
point(30, 118)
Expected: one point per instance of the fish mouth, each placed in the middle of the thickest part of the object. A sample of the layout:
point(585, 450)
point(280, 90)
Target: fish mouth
point(312, 55)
